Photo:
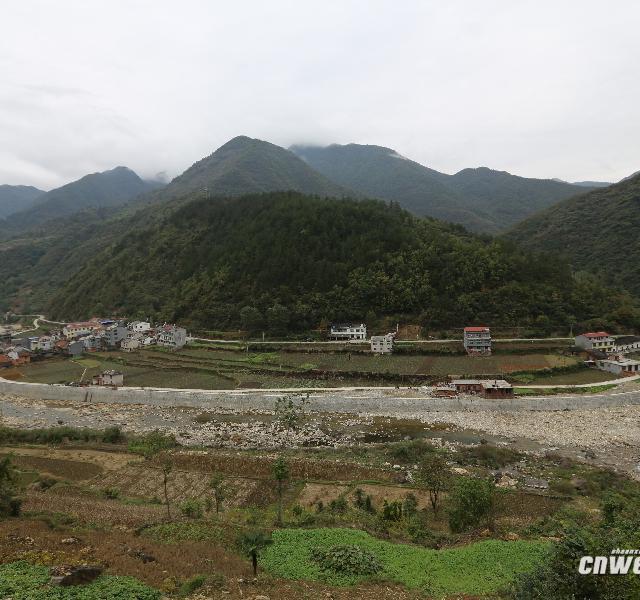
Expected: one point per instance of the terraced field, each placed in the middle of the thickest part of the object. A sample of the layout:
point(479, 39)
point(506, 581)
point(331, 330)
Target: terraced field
point(202, 367)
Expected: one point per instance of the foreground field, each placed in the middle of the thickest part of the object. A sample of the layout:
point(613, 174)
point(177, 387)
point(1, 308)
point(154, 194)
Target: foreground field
point(201, 367)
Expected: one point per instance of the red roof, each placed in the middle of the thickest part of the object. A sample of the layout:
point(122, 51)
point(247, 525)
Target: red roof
point(478, 329)
point(596, 334)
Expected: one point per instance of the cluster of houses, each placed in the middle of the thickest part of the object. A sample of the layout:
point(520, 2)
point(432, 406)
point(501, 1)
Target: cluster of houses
point(349, 332)
point(94, 335)
point(607, 353)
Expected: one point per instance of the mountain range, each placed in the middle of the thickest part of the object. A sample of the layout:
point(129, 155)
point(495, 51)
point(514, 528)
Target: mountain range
point(97, 190)
point(481, 199)
point(69, 266)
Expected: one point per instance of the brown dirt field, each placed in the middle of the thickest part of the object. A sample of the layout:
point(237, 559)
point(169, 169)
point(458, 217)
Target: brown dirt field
point(86, 508)
point(104, 459)
point(260, 466)
point(144, 481)
point(71, 470)
point(32, 540)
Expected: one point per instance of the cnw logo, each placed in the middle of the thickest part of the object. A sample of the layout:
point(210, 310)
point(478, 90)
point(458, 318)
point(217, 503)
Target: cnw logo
point(621, 562)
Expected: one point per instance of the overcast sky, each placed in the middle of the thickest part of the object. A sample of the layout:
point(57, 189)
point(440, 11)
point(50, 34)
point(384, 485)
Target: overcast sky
point(545, 88)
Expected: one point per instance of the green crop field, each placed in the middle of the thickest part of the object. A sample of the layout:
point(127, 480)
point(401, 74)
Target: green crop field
point(24, 581)
point(479, 568)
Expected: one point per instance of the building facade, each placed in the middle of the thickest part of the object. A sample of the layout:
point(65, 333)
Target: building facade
point(347, 331)
point(477, 340)
point(596, 340)
point(382, 344)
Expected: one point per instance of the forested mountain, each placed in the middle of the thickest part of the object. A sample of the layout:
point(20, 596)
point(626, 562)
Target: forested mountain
point(597, 231)
point(247, 166)
point(14, 198)
point(98, 190)
point(481, 199)
point(284, 261)
point(34, 264)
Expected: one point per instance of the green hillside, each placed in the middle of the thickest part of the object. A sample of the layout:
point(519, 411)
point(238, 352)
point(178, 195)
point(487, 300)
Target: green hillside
point(286, 262)
point(14, 198)
point(98, 190)
point(596, 231)
point(482, 199)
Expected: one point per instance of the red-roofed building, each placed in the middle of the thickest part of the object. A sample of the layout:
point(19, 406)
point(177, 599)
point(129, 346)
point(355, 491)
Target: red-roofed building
point(477, 340)
point(596, 340)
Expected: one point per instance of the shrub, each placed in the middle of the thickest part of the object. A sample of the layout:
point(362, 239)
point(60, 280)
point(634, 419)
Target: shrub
point(347, 560)
point(392, 511)
point(111, 493)
point(192, 508)
point(471, 504)
point(152, 443)
point(410, 452)
point(191, 585)
point(339, 505)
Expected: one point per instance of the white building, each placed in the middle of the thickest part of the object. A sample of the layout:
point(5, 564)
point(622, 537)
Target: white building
point(627, 343)
point(347, 331)
point(133, 341)
point(477, 340)
point(596, 340)
point(140, 326)
point(382, 344)
point(171, 336)
point(620, 366)
point(114, 378)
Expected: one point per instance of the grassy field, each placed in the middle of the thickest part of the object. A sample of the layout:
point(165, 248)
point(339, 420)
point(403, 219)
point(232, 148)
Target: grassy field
point(224, 368)
point(480, 568)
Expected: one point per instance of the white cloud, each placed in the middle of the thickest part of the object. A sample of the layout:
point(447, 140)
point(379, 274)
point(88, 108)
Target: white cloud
point(542, 89)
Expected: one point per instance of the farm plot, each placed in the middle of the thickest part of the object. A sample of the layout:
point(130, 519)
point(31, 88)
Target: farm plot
point(479, 568)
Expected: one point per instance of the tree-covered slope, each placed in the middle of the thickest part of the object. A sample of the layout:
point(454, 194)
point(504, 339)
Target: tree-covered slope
point(598, 231)
point(98, 190)
point(507, 198)
point(482, 199)
point(248, 166)
point(14, 198)
point(285, 261)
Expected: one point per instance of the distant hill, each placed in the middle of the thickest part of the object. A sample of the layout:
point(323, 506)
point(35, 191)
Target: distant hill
point(481, 199)
point(286, 262)
point(596, 231)
point(248, 166)
point(98, 190)
point(592, 184)
point(14, 198)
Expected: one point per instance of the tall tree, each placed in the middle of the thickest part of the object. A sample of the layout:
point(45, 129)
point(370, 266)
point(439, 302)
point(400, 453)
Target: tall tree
point(434, 475)
point(281, 474)
point(252, 543)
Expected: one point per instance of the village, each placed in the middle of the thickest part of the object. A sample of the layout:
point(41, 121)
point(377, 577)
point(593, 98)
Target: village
point(595, 350)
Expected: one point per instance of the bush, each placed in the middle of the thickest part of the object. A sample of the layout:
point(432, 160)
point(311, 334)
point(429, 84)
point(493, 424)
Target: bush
point(471, 504)
point(152, 443)
point(410, 452)
point(347, 560)
point(192, 508)
point(111, 493)
point(490, 456)
point(191, 585)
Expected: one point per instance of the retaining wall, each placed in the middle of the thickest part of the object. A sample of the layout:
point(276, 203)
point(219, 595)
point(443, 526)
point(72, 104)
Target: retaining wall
point(376, 401)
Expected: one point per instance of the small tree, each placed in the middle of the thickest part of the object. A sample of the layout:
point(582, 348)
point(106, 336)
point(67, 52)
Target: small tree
point(167, 467)
point(472, 504)
point(281, 475)
point(434, 475)
point(9, 503)
point(289, 410)
point(252, 543)
point(216, 483)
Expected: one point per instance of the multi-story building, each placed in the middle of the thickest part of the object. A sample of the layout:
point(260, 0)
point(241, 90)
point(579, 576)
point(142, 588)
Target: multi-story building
point(596, 340)
point(347, 331)
point(382, 344)
point(114, 335)
point(74, 330)
point(171, 336)
point(477, 340)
